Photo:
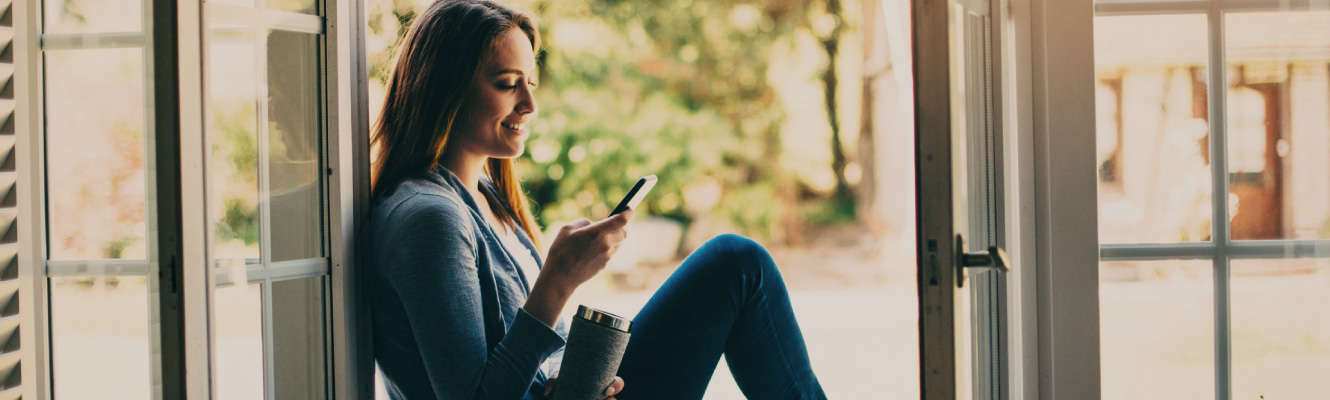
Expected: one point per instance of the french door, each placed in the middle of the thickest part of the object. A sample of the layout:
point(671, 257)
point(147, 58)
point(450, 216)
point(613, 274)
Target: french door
point(185, 175)
point(959, 208)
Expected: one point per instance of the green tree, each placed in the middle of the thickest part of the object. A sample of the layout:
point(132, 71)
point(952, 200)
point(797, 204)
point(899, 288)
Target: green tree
point(678, 88)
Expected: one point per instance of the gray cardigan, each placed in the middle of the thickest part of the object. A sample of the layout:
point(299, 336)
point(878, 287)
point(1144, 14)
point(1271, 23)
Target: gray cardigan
point(447, 298)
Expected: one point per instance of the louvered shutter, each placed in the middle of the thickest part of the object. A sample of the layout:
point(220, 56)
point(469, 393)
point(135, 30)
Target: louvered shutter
point(9, 284)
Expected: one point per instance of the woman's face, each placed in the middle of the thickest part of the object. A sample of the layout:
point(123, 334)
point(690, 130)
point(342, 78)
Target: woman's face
point(494, 119)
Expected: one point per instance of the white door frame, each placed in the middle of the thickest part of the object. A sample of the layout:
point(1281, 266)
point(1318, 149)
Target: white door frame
point(1047, 63)
point(348, 188)
point(1048, 76)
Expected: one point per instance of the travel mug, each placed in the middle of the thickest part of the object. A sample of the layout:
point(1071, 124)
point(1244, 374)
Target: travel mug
point(596, 343)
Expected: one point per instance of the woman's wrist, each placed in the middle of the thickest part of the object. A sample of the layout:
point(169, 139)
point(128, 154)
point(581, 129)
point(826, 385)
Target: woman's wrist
point(548, 297)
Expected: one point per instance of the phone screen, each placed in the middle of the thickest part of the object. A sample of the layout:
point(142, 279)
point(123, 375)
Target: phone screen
point(636, 194)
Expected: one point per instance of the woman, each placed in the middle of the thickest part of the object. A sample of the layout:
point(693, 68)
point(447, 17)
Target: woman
point(464, 307)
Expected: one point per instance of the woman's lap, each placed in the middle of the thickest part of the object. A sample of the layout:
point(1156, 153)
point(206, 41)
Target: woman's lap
point(726, 298)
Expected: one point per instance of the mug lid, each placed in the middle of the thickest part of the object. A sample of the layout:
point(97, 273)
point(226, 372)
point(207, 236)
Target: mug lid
point(603, 318)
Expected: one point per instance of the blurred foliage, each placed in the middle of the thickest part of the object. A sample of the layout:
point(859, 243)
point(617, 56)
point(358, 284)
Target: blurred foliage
point(237, 148)
point(237, 133)
point(240, 221)
point(675, 88)
point(127, 142)
point(73, 9)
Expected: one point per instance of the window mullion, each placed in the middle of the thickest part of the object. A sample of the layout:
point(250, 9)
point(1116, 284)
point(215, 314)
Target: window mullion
point(1219, 223)
point(73, 41)
point(1144, 252)
point(1104, 8)
point(85, 268)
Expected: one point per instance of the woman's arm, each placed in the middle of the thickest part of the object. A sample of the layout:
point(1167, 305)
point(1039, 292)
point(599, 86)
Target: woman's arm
point(432, 264)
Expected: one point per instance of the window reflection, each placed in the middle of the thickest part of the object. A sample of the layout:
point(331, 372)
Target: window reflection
point(233, 209)
point(92, 16)
point(293, 145)
point(265, 204)
point(233, 167)
point(95, 154)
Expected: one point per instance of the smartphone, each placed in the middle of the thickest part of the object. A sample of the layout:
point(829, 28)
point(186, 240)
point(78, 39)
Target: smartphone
point(635, 195)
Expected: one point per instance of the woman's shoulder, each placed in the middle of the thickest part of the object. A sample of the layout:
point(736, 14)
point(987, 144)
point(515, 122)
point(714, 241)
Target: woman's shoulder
point(421, 198)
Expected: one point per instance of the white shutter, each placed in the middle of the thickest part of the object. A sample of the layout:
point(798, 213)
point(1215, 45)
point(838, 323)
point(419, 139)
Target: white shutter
point(10, 374)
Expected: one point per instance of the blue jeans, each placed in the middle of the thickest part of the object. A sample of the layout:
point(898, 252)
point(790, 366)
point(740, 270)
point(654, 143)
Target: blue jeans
point(727, 298)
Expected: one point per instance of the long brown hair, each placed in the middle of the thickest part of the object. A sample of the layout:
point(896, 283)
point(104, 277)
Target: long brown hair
point(437, 64)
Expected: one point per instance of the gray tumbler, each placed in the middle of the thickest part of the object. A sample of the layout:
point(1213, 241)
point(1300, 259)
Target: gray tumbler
point(596, 342)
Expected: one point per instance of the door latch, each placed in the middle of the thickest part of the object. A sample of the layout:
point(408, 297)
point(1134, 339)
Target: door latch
point(985, 260)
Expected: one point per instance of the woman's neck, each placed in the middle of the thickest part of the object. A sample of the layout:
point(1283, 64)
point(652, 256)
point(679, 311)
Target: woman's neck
point(467, 167)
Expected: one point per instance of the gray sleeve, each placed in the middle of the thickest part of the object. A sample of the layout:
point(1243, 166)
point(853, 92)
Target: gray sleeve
point(433, 267)
point(556, 359)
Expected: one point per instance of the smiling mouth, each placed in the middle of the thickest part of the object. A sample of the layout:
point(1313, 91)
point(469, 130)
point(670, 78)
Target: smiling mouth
point(516, 127)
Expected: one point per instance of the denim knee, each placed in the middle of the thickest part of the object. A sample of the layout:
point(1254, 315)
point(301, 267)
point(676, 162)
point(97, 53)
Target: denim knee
point(744, 254)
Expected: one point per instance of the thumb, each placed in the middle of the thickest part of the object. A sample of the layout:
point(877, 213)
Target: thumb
point(614, 223)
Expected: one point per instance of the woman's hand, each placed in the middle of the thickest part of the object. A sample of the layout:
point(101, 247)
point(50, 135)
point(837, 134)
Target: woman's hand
point(615, 387)
point(581, 249)
point(578, 252)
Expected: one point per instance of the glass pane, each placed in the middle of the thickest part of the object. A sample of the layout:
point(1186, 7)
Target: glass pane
point(88, 16)
point(233, 209)
point(293, 145)
point(233, 165)
point(238, 346)
point(1151, 116)
point(1281, 328)
point(1157, 330)
point(99, 338)
point(1278, 133)
point(299, 336)
point(95, 154)
point(300, 6)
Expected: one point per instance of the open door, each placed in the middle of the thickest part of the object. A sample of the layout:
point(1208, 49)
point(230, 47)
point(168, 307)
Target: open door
point(958, 177)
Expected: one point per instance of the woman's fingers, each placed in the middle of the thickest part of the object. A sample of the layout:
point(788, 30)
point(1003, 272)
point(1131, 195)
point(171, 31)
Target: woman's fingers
point(578, 224)
point(615, 387)
point(549, 386)
point(614, 223)
point(582, 248)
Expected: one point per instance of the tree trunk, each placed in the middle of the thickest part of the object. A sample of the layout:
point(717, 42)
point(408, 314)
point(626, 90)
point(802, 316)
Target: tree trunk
point(831, 45)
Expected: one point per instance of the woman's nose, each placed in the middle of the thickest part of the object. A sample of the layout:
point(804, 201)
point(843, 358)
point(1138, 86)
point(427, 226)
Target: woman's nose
point(527, 103)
